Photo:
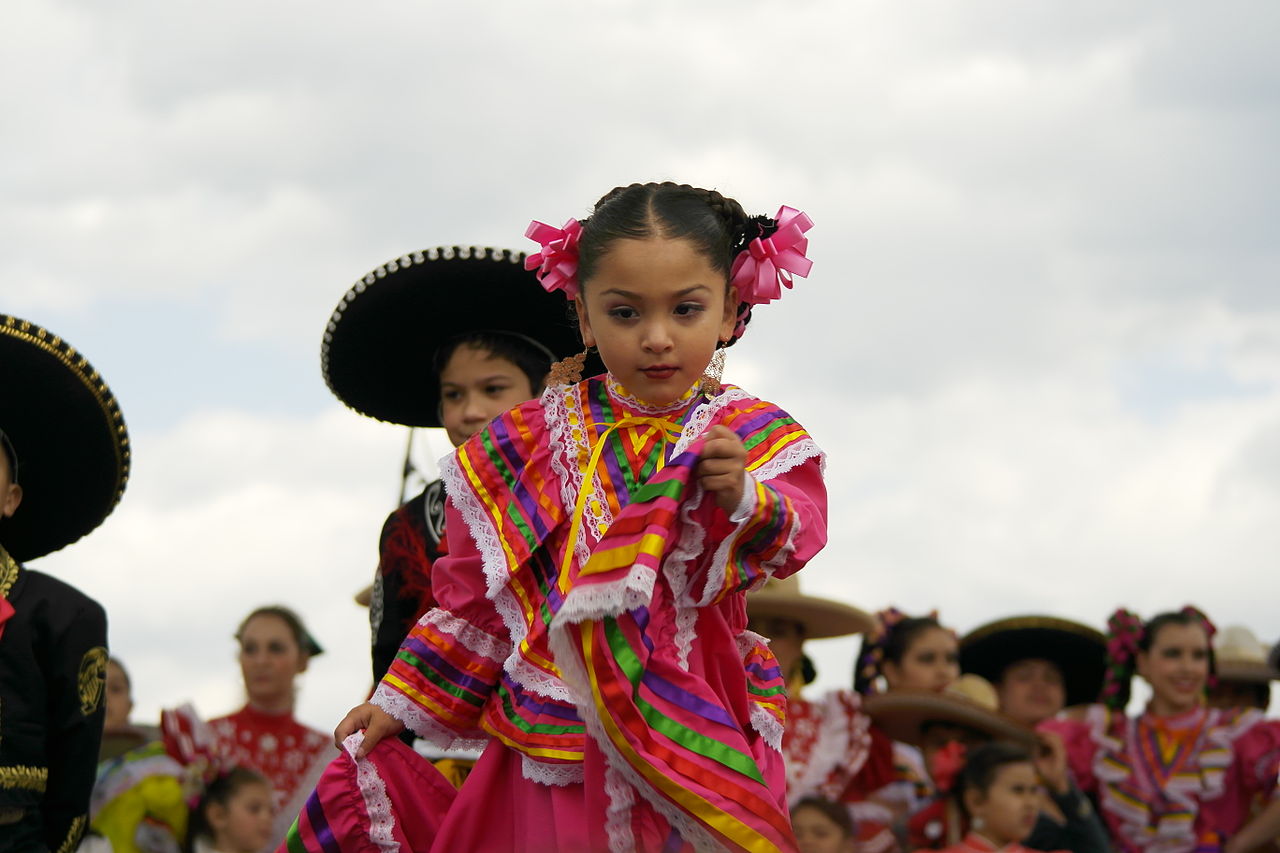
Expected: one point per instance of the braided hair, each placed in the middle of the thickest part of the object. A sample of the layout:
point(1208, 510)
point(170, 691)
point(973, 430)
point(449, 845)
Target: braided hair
point(715, 225)
point(1127, 635)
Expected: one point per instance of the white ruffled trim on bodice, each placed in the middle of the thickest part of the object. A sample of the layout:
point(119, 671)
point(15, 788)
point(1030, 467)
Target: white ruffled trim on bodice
point(843, 742)
point(1115, 760)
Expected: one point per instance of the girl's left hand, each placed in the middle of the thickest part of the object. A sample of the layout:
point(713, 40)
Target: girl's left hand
point(722, 467)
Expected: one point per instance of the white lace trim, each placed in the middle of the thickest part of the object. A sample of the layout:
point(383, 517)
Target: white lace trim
point(496, 571)
point(552, 775)
point(750, 499)
point(478, 642)
point(424, 726)
point(536, 680)
point(635, 589)
point(676, 570)
point(790, 457)
point(700, 419)
point(568, 443)
point(374, 792)
point(767, 726)
point(618, 815)
point(632, 403)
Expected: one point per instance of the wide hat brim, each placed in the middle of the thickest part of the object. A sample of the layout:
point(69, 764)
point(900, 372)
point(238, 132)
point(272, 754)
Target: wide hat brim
point(821, 617)
point(904, 714)
point(1078, 650)
point(69, 436)
point(378, 347)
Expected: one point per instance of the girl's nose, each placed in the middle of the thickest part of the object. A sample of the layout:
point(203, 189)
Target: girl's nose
point(656, 337)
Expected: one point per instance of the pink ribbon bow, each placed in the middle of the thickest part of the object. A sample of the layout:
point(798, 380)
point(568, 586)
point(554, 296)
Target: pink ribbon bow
point(557, 263)
point(765, 267)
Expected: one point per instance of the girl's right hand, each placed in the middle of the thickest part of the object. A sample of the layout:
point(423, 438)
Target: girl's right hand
point(376, 723)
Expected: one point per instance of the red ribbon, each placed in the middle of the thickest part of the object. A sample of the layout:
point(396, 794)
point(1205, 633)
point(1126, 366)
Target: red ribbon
point(6, 613)
point(767, 264)
point(557, 263)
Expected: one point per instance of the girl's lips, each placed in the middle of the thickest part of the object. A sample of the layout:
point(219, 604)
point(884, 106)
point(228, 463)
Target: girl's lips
point(658, 372)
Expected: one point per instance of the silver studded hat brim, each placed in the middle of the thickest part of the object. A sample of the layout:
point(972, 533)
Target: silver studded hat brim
point(69, 436)
point(378, 346)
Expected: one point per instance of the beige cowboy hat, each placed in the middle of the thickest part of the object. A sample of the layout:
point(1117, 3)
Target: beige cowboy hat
point(1239, 656)
point(970, 701)
point(821, 617)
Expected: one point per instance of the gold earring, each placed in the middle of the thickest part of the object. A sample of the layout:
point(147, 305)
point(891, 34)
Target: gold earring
point(712, 375)
point(568, 371)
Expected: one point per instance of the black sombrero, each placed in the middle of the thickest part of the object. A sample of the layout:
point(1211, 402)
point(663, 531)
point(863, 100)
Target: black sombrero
point(1078, 650)
point(378, 346)
point(68, 435)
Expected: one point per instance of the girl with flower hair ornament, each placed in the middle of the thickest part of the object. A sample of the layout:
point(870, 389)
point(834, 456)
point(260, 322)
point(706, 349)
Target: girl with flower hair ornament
point(590, 632)
point(1180, 776)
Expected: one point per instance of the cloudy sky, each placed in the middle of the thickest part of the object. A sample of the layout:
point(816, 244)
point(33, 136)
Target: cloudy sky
point(1041, 342)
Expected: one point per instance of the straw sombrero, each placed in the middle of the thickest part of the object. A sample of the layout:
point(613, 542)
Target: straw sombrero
point(1078, 650)
point(904, 714)
point(821, 617)
point(378, 345)
point(69, 437)
point(1239, 656)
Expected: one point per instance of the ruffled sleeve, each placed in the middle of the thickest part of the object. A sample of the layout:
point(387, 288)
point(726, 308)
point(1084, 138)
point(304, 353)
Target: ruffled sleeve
point(451, 661)
point(1257, 757)
point(1082, 747)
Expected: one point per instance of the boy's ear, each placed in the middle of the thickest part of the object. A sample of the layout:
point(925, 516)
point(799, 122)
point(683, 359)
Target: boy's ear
point(584, 324)
point(972, 800)
point(216, 815)
point(10, 499)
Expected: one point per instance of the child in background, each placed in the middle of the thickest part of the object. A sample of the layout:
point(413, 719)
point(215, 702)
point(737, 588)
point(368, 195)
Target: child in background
point(591, 618)
point(999, 792)
point(822, 826)
point(234, 814)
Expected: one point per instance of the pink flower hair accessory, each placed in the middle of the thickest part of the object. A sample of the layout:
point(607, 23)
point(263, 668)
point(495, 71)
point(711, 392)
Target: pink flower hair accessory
point(557, 263)
point(766, 264)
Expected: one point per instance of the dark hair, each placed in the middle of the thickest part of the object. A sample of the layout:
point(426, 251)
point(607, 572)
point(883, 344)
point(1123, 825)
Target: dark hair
point(896, 635)
point(837, 813)
point(301, 636)
point(1127, 635)
point(716, 226)
point(533, 359)
point(981, 766)
point(218, 792)
point(10, 454)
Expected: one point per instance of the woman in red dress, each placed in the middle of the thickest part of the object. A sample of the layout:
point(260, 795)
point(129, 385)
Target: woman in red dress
point(274, 650)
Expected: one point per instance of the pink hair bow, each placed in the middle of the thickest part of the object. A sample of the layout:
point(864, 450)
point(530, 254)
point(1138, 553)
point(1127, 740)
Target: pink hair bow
point(557, 263)
point(766, 265)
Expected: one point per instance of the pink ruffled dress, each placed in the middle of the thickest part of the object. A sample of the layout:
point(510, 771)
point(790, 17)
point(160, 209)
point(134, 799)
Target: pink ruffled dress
point(1173, 784)
point(591, 628)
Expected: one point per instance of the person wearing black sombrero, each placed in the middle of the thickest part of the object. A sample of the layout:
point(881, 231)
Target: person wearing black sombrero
point(63, 468)
point(448, 337)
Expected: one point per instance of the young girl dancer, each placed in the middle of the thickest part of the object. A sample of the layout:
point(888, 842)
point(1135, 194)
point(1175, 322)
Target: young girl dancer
point(233, 815)
point(591, 628)
point(998, 790)
point(1180, 776)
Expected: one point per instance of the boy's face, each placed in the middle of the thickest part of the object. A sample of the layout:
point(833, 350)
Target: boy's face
point(10, 492)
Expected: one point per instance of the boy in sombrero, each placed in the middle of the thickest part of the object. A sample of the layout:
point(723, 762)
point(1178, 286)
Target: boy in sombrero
point(63, 466)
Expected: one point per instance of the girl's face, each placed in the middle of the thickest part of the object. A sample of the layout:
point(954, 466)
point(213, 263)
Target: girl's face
point(1006, 812)
point(270, 659)
point(931, 662)
point(817, 833)
point(656, 309)
point(1032, 691)
point(1176, 667)
point(119, 702)
point(475, 387)
point(243, 824)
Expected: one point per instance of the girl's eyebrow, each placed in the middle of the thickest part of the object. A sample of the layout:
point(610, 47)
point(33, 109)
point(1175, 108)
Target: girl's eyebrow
point(627, 294)
point(491, 378)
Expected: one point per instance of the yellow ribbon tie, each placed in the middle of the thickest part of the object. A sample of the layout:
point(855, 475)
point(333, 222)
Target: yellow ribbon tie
point(667, 431)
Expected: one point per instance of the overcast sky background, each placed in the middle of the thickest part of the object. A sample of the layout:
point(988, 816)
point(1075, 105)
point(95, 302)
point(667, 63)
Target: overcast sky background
point(1041, 341)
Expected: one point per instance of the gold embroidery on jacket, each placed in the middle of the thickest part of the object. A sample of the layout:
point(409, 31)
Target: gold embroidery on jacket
point(93, 679)
point(73, 835)
point(25, 778)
